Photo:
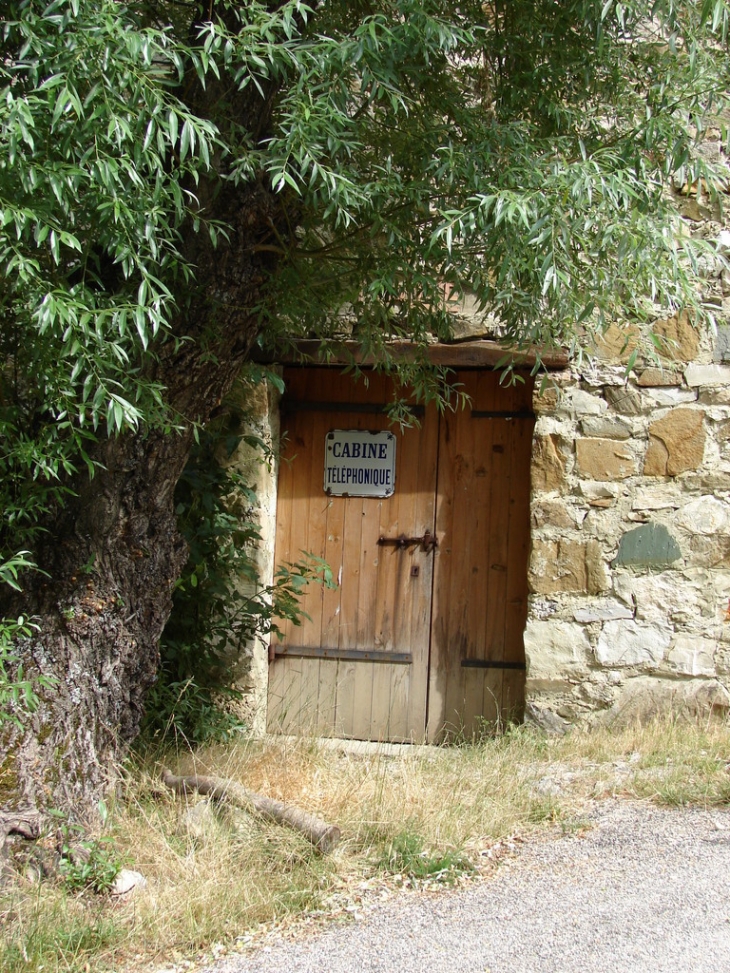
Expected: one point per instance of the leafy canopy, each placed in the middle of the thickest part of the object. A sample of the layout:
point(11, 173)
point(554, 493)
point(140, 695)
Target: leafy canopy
point(521, 150)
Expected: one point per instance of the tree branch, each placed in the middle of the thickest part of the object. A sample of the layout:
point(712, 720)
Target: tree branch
point(323, 836)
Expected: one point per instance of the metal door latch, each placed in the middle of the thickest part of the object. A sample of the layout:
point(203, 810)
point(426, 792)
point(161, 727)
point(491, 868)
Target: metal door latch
point(427, 543)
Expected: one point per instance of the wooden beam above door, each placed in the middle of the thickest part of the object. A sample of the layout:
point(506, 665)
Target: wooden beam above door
point(467, 354)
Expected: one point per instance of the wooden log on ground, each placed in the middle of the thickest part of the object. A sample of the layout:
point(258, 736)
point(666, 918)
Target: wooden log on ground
point(323, 836)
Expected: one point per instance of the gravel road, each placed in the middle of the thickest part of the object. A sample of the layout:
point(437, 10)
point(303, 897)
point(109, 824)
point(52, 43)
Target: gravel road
point(643, 890)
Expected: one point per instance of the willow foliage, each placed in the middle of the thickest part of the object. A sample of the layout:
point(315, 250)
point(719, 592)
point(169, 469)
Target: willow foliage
point(520, 150)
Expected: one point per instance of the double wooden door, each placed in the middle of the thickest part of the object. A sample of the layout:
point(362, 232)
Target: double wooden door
point(422, 635)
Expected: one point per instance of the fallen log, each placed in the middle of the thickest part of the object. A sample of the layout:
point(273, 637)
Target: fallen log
point(323, 836)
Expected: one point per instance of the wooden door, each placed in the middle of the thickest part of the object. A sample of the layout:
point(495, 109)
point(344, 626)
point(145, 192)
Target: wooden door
point(477, 665)
point(413, 644)
point(358, 666)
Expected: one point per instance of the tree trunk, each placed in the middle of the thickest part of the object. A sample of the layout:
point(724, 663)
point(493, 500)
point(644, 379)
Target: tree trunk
point(112, 558)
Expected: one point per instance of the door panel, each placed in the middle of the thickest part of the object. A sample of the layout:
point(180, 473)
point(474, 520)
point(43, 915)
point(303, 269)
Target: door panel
point(443, 630)
point(381, 606)
point(480, 593)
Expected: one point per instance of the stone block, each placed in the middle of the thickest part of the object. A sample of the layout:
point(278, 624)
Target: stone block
point(554, 649)
point(628, 643)
point(690, 209)
point(596, 374)
point(598, 695)
point(714, 395)
point(664, 598)
point(710, 552)
point(545, 401)
point(693, 655)
point(670, 398)
point(598, 490)
point(606, 427)
point(545, 720)
point(676, 443)
point(645, 698)
point(657, 497)
point(554, 513)
point(565, 565)
point(626, 401)
point(679, 340)
point(602, 611)
point(550, 685)
point(697, 375)
point(658, 377)
point(705, 515)
point(579, 403)
point(649, 546)
point(548, 464)
point(604, 459)
point(718, 482)
point(618, 342)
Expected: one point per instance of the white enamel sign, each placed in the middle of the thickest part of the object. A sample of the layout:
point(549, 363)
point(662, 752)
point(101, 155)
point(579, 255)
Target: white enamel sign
point(358, 463)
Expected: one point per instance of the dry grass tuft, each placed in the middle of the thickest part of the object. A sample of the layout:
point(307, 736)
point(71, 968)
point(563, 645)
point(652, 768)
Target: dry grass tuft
point(215, 875)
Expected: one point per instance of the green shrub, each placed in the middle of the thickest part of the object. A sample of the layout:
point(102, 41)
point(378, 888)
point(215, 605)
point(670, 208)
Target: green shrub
point(211, 617)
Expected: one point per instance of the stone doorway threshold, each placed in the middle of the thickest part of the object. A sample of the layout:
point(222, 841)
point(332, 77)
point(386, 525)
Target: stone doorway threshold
point(360, 748)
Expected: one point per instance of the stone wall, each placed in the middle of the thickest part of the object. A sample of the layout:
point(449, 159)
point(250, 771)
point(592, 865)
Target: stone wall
point(630, 565)
point(249, 659)
point(629, 571)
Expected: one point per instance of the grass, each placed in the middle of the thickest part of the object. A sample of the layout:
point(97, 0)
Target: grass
point(429, 815)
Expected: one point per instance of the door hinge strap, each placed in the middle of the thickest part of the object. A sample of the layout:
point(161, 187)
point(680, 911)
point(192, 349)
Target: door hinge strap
point(491, 664)
point(342, 655)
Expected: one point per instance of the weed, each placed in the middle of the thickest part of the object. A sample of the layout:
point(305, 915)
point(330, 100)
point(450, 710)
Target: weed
point(575, 824)
point(50, 932)
point(680, 789)
point(406, 854)
point(87, 863)
point(543, 810)
point(91, 865)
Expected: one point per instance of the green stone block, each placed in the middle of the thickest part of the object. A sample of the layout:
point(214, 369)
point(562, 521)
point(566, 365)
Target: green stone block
point(650, 545)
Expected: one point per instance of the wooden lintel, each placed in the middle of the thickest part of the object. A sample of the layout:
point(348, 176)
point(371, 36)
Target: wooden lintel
point(467, 354)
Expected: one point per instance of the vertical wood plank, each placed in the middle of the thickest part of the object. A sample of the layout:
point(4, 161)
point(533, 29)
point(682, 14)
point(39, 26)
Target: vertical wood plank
point(516, 600)
point(483, 509)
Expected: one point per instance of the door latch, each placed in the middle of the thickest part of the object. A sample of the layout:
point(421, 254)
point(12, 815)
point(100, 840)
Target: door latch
point(427, 543)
